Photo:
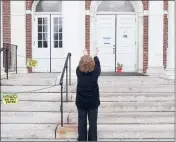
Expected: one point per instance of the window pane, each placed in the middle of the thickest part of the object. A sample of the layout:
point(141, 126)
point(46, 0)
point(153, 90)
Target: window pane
point(56, 28)
point(60, 36)
point(45, 44)
point(39, 36)
point(60, 28)
point(56, 21)
point(60, 20)
point(45, 36)
point(45, 28)
point(45, 21)
point(60, 44)
point(49, 6)
point(39, 44)
point(55, 44)
point(39, 20)
point(39, 28)
point(115, 6)
point(55, 36)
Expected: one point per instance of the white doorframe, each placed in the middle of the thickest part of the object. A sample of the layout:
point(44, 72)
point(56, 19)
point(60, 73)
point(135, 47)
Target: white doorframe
point(134, 46)
point(138, 6)
point(34, 36)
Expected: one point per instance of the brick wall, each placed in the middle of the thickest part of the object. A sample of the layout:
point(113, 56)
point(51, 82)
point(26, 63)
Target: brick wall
point(145, 45)
point(87, 33)
point(29, 38)
point(29, 32)
point(6, 23)
point(165, 34)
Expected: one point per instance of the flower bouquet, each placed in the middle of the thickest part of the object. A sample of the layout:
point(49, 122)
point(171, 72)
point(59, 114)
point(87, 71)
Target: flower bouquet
point(119, 68)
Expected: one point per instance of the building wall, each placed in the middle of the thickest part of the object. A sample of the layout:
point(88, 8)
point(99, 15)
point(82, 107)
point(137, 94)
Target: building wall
point(76, 30)
point(18, 32)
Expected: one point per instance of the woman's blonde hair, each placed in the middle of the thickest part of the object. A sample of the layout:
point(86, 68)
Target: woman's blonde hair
point(86, 64)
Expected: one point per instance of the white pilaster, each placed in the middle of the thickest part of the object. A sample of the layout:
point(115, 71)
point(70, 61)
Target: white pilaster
point(155, 39)
point(73, 30)
point(18, 32)
point(171, 45)
point(3, 74)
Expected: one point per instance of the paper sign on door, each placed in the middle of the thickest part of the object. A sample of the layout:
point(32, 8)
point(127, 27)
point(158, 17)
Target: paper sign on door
point(32, 63)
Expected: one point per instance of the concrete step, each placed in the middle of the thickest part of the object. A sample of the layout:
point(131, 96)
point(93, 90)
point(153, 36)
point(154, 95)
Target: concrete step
point(130, 118)
point(103, 118)
point(104, 97)
point(45, 97)
point(109, 107)
point(132, 97)
point(132, 82)
point(106, 107)
point(28, 89)
point(134, 88)
point(72, 89)
point(104, 131)
point(100, 139)
point(33, 117)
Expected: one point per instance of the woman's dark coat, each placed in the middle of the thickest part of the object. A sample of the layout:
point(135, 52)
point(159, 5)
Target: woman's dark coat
point(87, 95)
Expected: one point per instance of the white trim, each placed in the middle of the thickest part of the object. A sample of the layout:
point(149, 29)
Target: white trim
point(47, 13)
point(138, 6)
point(146, 13)
point(115, 13)
point(165, 12)
point(28, 12)
point(87, 12)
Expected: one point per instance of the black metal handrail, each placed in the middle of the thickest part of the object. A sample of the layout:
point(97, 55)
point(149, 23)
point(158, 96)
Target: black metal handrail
point(65, 69)
point(6, 61)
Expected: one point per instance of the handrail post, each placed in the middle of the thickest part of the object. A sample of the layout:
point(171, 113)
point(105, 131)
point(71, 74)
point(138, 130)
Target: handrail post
point(70, 70)
point(67, 82)
point(7, 62)
point(16, 58)
point(61, 106)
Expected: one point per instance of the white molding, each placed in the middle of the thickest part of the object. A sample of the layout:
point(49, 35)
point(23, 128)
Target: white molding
point(28, 12)
point(146, 13)
point(165, 12)
point(87, 12)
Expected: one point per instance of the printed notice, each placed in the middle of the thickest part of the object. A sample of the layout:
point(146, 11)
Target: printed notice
point(32, 63)
point(9, 98)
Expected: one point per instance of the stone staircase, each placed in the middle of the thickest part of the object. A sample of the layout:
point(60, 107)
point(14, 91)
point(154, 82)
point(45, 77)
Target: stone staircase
point(132, 109)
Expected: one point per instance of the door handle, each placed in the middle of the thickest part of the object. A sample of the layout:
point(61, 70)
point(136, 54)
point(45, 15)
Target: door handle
point(113, 50)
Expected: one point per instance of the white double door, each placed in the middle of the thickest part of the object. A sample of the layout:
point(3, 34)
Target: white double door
point(116, 38)
point(47, 46)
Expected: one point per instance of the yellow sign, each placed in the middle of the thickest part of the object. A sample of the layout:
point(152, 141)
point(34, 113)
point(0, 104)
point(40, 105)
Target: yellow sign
point(9, 98)
point(32, 63)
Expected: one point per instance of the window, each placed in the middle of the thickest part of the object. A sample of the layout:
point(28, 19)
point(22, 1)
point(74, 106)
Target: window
point(57, 32)
point(115, 6)
point(49, 6)
point(42, 32)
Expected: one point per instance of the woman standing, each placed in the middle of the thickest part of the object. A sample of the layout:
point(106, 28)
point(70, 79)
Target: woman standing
point(87, 96)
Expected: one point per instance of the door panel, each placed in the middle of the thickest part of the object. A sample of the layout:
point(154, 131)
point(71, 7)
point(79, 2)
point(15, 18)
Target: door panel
point(41, 43)
point(57, 51)
point(126, 49)
point(105, 33)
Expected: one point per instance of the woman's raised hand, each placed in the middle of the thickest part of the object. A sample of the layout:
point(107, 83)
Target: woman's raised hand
point(96, 51)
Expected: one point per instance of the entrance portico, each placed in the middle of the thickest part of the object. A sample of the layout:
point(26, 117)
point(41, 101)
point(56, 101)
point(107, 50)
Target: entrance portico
point(125, 44)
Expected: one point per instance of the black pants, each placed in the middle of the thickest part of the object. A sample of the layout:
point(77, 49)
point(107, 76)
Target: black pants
point(82, 124)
